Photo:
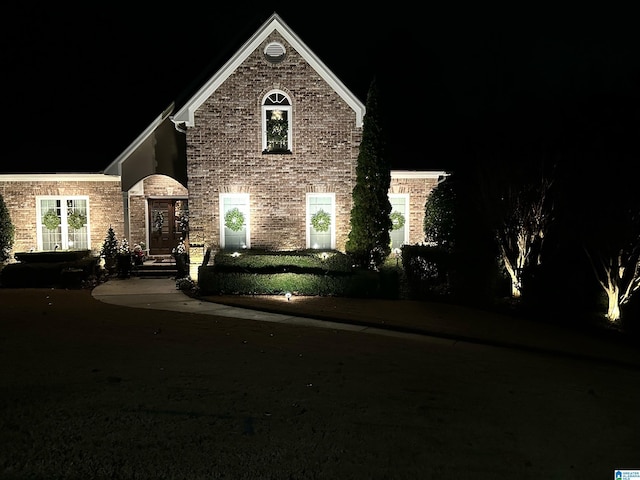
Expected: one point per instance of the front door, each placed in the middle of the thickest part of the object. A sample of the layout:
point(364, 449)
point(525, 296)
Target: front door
point(164, 225)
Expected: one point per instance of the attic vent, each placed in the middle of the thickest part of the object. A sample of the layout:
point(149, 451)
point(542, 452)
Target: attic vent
point(274, 52)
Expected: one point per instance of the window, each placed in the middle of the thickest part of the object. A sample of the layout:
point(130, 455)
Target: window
point(63, 223)
point(234, 221)
point(321, 221)
point(399, 219)
point(276, 128)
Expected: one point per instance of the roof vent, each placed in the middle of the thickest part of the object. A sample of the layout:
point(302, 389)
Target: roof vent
point(274, 52)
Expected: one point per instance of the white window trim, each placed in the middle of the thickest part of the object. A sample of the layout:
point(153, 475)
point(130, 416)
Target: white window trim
point(284, 108)
point(308, 217)
point(404, 196)
point(63, 225)
point(247, 199)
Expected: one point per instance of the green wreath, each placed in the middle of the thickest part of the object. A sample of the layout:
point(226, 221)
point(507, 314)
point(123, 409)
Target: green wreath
point(76, 220)
point(234, 220)
point(397, 220)
point(51, 220)
point(158, 220)
point(320, 221)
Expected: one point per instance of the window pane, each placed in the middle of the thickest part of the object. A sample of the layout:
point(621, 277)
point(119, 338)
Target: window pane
point(51, 237)
point(277, 130)
point(77, 224)
point(318, 238)
point(398, 207)
point(235, 210)
point(71, 216)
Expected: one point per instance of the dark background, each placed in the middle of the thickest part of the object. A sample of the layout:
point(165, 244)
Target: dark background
point(80, 83)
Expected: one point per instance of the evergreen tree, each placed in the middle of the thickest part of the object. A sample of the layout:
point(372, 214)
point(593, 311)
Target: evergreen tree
point(369, 241)
point(7, 232)
point(439, 216)
point(110, 245)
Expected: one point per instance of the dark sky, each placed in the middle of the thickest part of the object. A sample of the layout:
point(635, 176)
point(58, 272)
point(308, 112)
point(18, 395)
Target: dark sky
point(81, 83)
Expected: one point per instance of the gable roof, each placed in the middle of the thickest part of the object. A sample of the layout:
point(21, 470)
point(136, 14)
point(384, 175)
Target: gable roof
point(185, 109)
point(185, 113)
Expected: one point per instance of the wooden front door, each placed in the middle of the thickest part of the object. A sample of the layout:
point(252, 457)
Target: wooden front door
point(164, 225)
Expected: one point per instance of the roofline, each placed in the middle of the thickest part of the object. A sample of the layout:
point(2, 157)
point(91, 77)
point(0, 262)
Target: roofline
point(115, 167)
point(186, 114)
point(410, 174)
point(58, 177)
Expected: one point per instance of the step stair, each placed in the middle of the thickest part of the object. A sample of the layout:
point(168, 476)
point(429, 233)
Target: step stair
point(156, 267)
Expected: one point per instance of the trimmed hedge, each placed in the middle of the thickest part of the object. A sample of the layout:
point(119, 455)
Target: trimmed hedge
point(310, 272)
point(70, 274)
point(52, 257)
point(254, 260)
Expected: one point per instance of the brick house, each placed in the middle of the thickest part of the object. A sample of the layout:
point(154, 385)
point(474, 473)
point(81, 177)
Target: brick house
point(259, 155)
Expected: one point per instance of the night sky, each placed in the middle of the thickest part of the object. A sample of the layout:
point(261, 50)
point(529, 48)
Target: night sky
point(81, 83)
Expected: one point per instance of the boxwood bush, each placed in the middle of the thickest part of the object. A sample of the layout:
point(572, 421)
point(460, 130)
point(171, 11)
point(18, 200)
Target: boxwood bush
point(306, 272)
point(80, 272)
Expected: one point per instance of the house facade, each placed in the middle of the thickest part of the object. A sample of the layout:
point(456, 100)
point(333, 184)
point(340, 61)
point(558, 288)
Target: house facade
point(262, 155)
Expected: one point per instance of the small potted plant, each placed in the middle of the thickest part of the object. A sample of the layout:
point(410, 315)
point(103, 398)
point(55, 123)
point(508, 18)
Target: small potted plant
point(124, 261)
point(109, 251)
point(138, 254)
point(182, 259)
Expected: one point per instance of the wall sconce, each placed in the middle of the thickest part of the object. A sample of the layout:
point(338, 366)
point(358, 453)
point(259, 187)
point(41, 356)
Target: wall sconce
point(287, 295)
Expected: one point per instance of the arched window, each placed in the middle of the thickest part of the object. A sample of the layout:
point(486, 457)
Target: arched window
point(276, 123)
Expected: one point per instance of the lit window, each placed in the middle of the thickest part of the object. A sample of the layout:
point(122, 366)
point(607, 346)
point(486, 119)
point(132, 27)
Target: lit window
point(234, 221)
point(399, 220)
point(63, 223)
point(276, 123)
point(321, 231)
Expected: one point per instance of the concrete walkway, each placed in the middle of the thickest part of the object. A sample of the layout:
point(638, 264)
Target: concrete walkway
point(161, 294)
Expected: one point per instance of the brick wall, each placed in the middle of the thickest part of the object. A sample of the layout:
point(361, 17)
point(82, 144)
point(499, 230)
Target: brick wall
point(224, 152)
point(418, 190)
point(105, 203)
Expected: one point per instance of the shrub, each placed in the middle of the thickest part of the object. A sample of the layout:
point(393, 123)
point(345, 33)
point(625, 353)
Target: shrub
point(68, 274)
point(307, 272)
point(7, 232)
point(52, 257)
point(428, 270)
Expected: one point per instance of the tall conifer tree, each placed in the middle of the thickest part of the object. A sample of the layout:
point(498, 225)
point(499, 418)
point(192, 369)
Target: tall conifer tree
point(369, 240)
point(7, 231)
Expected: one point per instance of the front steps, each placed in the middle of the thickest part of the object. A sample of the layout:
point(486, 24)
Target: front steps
point(158, 266)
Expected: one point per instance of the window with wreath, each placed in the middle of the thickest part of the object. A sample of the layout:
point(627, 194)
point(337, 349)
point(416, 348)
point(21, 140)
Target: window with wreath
point(399, 233)
point(321, 232)
point(63, 223)
point(234, 221)
point(276, 123)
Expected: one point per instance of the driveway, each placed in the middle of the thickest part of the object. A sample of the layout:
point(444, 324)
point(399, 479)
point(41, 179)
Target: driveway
point(99, 390)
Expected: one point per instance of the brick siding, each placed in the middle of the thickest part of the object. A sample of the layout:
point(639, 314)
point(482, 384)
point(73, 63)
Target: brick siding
point(20, 191)
point(224, 152)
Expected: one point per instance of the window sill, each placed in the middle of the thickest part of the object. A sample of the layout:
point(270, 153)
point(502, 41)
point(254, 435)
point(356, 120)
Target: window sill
point(276, 152)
